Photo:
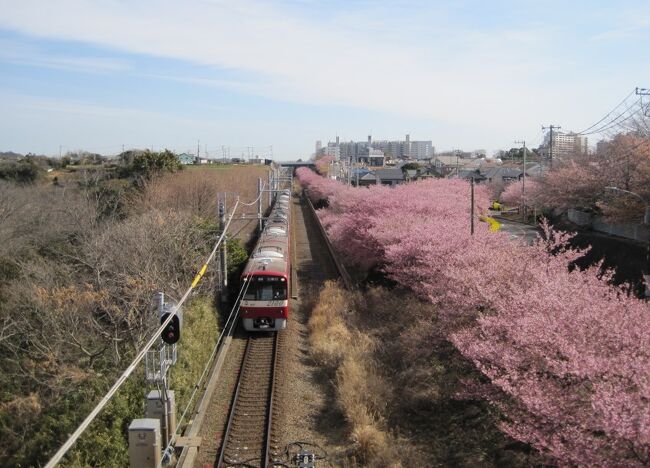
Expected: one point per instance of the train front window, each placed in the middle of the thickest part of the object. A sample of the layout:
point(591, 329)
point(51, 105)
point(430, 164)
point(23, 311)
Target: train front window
point(266, 288)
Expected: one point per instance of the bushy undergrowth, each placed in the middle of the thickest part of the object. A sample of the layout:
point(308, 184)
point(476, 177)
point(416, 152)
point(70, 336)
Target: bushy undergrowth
point(24, 172)
point(76, 303)
point(399, 383)
point(360, 390)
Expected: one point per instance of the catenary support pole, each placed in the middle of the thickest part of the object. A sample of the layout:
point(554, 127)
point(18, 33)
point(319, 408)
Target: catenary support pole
point(223, 257)
point(259, 203)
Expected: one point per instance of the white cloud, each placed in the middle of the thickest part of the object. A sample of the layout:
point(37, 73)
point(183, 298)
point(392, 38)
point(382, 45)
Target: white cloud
point(303, 60)
point(636, 27)
point(500, 79)
point(243, 86)
point(14, 52)
point(67, 106)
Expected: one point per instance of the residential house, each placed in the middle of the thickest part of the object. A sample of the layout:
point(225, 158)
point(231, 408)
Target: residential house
point(390, 176)
point(502, 174)
point(186, 158)
point(468, 174)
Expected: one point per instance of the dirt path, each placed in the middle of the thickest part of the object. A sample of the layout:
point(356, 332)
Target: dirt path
point(309, 413)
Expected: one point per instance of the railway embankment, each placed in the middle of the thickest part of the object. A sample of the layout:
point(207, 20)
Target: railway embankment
point(401, 386)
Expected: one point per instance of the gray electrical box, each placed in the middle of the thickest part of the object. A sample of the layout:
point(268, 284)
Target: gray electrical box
point(156, 409)
point(144, 443)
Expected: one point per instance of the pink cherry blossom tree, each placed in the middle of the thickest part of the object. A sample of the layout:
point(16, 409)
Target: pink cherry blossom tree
point(567, 355)
point(322, 164)
point(514, 194)
point(580, 181)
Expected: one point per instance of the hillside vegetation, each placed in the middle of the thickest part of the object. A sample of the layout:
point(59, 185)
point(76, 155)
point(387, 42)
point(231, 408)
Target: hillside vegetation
point(80, 260)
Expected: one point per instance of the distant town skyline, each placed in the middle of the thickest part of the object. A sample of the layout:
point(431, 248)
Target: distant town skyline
point(79, 74)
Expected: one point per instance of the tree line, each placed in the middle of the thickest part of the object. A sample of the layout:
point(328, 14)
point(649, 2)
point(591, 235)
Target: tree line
point(79, 262)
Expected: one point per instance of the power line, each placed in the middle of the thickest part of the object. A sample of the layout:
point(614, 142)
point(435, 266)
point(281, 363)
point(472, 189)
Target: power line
point(609, 113)
point(227, 328)
point(614, 122)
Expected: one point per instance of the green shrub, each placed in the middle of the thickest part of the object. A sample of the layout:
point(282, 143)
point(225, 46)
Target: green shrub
point(23, 172)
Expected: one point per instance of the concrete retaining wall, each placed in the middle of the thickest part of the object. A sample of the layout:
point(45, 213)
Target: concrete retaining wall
point(638, 232)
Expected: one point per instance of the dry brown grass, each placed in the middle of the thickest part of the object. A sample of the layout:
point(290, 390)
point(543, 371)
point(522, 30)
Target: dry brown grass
point(361, 390)
point(328, 334)
point(196, 189)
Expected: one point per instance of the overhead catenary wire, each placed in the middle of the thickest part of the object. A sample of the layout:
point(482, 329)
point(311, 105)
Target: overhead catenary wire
point(257, 199)
point(129, 370)
point(227, 328)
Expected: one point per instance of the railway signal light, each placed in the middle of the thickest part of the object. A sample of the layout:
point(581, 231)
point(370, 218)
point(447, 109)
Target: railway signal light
point(172, 332)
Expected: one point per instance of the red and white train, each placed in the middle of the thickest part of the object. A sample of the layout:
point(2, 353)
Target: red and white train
point(266, 277)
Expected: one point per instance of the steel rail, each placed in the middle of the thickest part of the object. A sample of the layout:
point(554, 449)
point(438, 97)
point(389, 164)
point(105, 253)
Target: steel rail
point(229, 433)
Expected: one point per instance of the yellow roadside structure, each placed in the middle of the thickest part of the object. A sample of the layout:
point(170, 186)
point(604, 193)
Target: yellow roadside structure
point(494, 224)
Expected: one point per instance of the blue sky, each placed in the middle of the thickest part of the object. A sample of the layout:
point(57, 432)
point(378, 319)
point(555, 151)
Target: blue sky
point(99, 74)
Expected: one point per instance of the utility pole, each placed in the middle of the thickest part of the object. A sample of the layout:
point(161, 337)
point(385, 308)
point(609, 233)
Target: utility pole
point(550, 146)
point(523, 179)
point(643, 92)
point(60, 148)
point(472, 207)
point(198, 148)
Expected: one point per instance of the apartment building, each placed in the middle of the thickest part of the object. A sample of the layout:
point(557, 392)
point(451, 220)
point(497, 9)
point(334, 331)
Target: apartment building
point(564, 145)
point(355, 151)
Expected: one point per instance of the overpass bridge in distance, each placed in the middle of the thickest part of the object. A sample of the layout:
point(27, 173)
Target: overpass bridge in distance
point(296, 164)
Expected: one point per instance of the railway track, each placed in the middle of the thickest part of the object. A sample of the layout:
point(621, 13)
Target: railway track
point(244, 389)
point(247, 437)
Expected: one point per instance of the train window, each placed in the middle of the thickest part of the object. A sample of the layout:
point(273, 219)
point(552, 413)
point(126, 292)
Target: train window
point(266, 288)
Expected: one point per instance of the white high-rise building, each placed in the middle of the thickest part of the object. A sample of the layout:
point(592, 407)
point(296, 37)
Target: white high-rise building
point(395, 149)
point(333, 150)
point(421, 150)
point(564, 144)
